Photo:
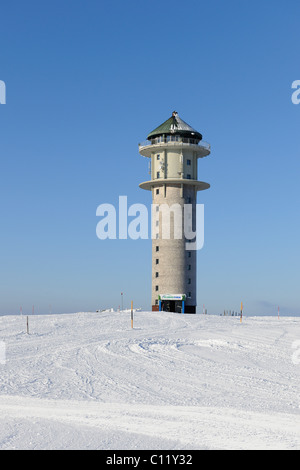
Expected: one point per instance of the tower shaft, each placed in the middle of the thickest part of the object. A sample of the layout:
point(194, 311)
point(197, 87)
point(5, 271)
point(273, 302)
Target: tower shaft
point(173, 266)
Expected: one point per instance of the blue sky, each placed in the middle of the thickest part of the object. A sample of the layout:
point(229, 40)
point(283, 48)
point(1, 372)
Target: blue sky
point(86, 82)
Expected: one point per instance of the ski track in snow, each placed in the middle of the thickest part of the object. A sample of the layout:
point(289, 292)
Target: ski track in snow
point(89, 381)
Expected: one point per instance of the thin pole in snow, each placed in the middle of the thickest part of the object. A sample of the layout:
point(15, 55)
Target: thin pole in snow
point(27, 322)
point(131, 314)
point(241, 319)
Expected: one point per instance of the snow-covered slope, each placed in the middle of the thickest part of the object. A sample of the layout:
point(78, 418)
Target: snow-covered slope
point(89, 381)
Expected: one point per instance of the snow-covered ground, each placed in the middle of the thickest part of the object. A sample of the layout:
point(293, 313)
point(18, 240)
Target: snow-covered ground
point(89, 381)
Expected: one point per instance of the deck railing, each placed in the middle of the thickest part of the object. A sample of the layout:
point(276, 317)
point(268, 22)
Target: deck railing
point(175, 140)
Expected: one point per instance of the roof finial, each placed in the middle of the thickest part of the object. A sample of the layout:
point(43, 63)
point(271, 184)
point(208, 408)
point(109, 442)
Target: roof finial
point(174, 113)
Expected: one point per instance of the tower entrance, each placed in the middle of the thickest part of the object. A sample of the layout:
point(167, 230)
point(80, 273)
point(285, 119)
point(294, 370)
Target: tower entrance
point(172, 303)
point(172, 306)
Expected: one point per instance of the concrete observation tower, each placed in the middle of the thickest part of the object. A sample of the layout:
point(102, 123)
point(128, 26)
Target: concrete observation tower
point(173, 149)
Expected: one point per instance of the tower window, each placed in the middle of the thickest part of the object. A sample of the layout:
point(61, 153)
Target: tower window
point(156, 288)
point(157, 191)
point(188, 177)
point(157, 261)
point(189, 281)
point(156, 274)
point(189, 295)
point(157, 248)
point(158, 157)
point(189, 200)
point(188, 162)
point(189, 254)
point(156, 302)
point(189, 267)
point(158, 174)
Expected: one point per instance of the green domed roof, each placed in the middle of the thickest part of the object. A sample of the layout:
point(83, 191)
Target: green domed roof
point(175, 125)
